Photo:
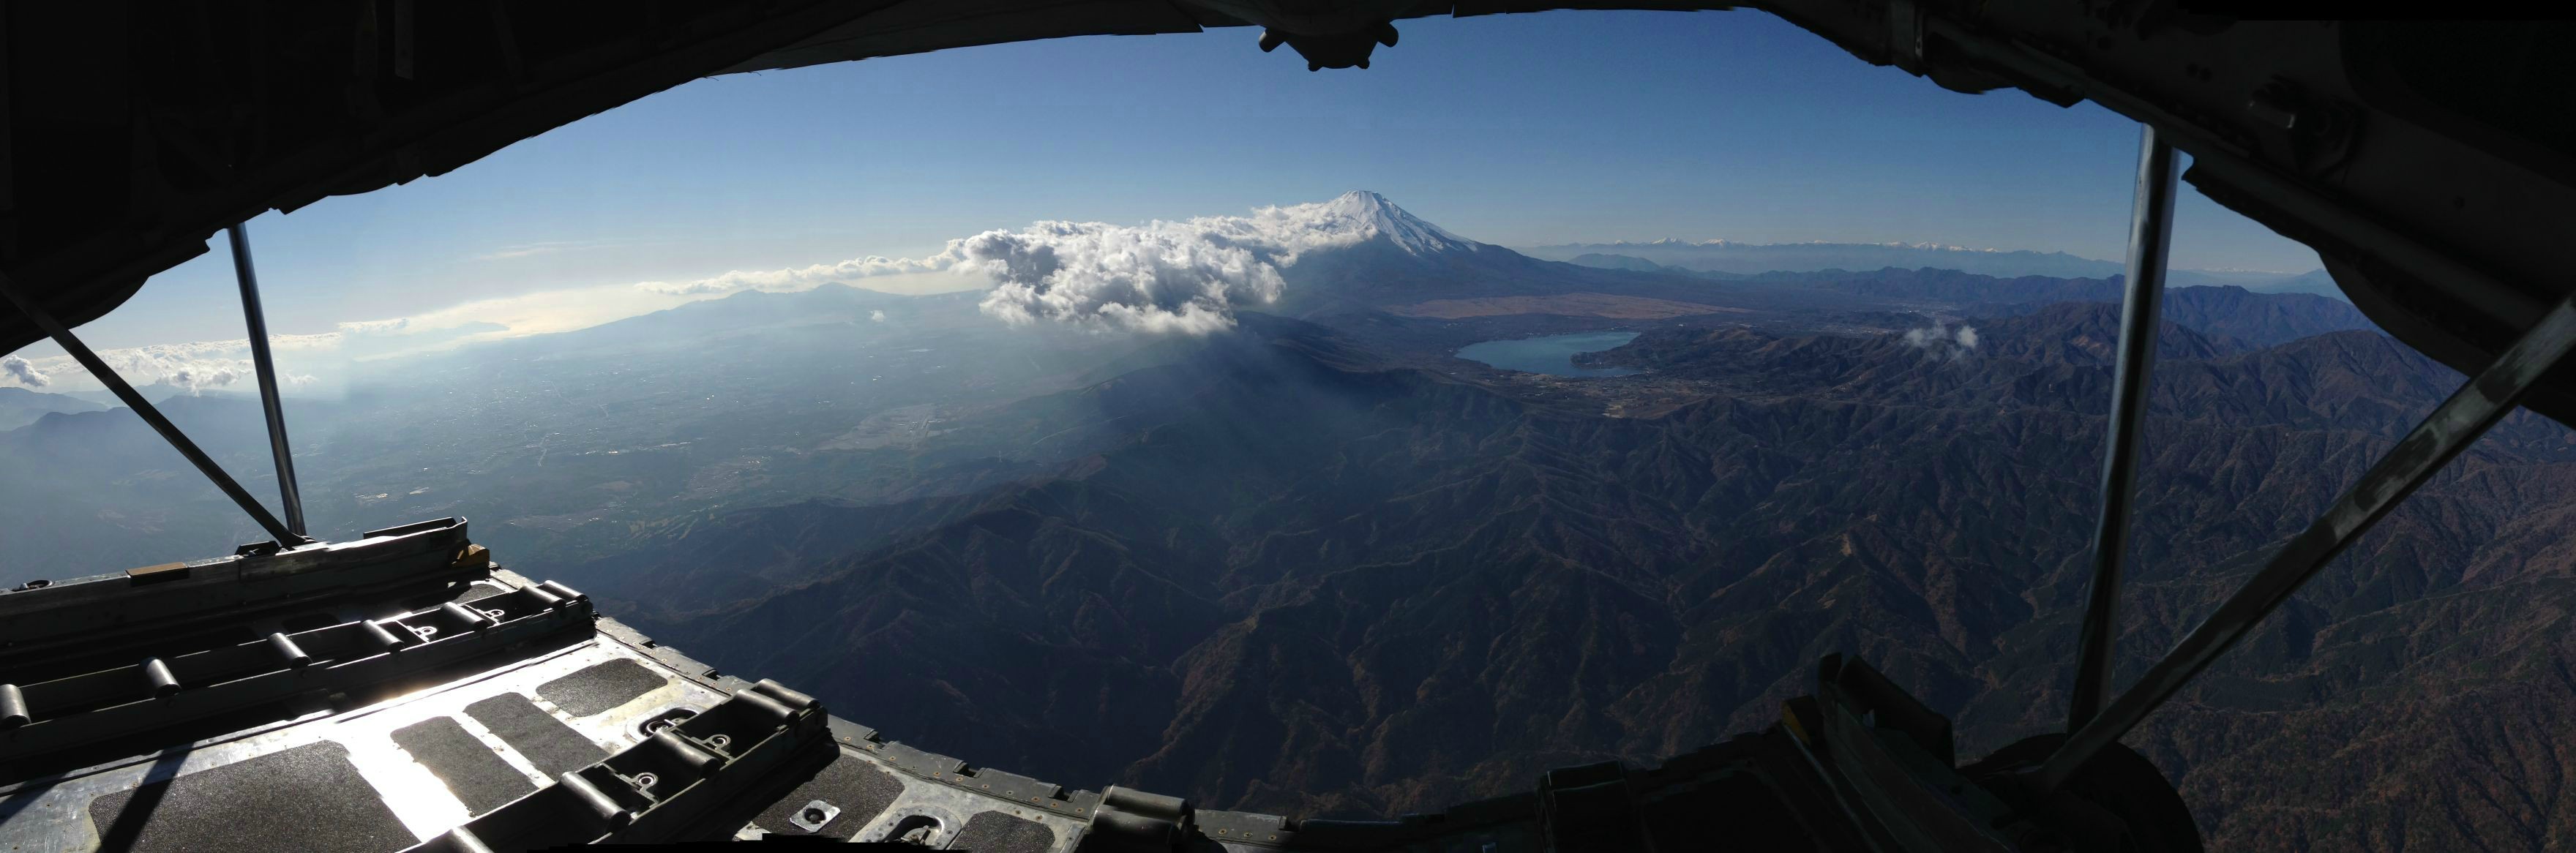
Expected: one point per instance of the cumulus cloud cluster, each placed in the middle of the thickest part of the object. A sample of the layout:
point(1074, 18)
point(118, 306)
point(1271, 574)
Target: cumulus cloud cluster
point(26, 374)
point(1162, 276)
point(1185, 276)
point(192, 367)
point(1940, 339)
point(1159, 277)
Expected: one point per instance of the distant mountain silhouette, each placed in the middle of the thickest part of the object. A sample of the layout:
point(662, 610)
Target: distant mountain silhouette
point(1733, 257)
point(20, 407)
point(2316, 282)
point(1615, 262)
point(103, 485)
point(2261, 319)
point(1406, 261)
point(1726, 259)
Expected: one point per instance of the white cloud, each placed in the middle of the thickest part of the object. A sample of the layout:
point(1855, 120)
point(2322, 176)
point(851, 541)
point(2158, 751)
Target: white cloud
point(1941, 340)
point(1184, 276)
point(195, 366)
point(1187, 276)
point(26, 374)
point(1159, 277)
point(802, 278)
point(548, 247)
point(537, 313)
point(201, 365)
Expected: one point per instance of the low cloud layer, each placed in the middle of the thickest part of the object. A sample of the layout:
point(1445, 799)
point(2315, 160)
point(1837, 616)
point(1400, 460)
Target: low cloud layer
point(205, 365)
point(1186, 277)
point(801, 278)
point(394, 326)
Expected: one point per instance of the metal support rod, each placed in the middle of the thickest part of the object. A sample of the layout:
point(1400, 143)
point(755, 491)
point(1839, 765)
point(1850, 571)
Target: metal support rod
point(289, 502)
point(2443, 434)
point(133, 400)
point(2150, 235)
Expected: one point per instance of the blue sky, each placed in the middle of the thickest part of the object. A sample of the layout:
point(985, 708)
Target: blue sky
point(1511, 129)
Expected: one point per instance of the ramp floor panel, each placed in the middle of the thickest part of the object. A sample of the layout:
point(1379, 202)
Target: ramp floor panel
point(240, 808)
point(995, 832)
point(553, 747)
point(599, 687)
point(473, 772)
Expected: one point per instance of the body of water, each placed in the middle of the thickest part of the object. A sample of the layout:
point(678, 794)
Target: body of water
point(1552, 355)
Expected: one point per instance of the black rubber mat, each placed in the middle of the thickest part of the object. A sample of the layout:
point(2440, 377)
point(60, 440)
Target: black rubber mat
point(995, 832)
point(600, 687)
point(855, 785)
point(473, 772)
point(549, 744)
point(311, 791)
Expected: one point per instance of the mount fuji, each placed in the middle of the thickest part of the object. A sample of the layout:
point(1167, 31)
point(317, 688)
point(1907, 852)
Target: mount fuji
point(1367, 213)
point(1399, 259)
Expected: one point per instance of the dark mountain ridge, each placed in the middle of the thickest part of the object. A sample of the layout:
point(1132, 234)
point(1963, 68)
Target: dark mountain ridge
point(1329, 588)
point(2260, 319)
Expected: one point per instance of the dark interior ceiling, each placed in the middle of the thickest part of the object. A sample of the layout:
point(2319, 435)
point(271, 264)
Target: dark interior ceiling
point(2433, 165)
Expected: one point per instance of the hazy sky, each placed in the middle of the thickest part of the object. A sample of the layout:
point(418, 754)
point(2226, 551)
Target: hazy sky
point(1512, 129)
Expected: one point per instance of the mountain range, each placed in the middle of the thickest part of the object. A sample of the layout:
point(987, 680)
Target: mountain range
point(1728, 260)
point(20, 407)
point(1324, 589)
point(1735, 257)
point(1293, 578)
point(1318, 565)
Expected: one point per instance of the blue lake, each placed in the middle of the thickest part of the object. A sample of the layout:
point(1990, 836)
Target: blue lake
point(1552, 355)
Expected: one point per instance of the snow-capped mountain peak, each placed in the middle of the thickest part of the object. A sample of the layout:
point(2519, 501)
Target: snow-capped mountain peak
point(1371, 215)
